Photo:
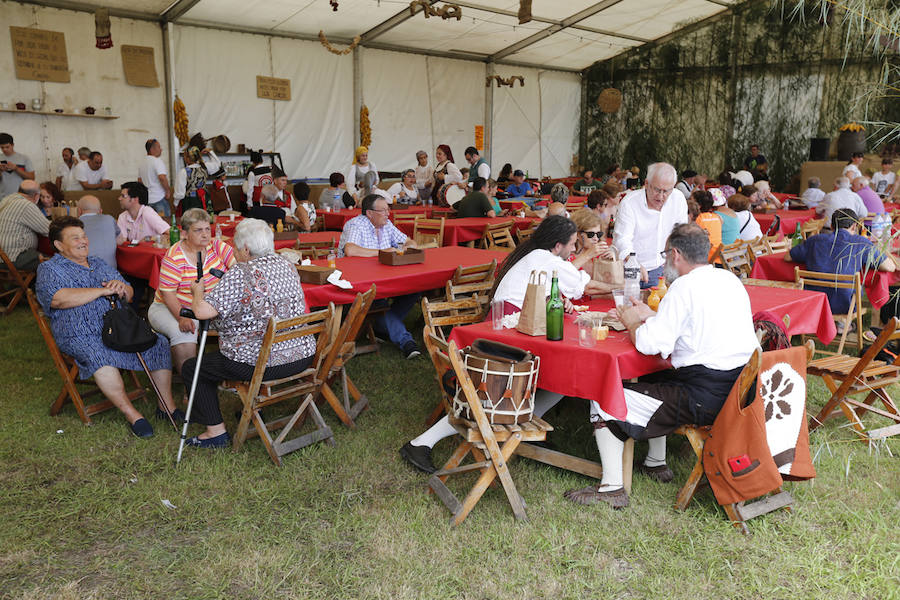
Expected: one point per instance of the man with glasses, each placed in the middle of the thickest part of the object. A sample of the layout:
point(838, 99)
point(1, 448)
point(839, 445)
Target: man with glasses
point(645, 219)
point(366, 235)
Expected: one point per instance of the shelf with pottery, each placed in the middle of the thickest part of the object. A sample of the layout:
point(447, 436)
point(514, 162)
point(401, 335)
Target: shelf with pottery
point(45, 113)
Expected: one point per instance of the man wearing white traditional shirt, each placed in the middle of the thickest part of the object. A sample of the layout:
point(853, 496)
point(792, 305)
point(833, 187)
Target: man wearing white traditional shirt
point(91, 174)
point(704, 324)
point(154, 174)
point(65, 174)
point(645, 219)
point(813, 194)
point(841, 197)
point(479, 167)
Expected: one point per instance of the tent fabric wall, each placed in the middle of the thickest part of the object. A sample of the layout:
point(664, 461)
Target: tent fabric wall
point(560, 117)
point(456, 89)
point(97, 79)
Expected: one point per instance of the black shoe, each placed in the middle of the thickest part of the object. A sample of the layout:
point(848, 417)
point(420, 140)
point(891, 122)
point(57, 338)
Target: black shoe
point(418, 456)
point(411, 350)
point(662, 473)
point(220, 441)
point(142, 428)
point(177, 415)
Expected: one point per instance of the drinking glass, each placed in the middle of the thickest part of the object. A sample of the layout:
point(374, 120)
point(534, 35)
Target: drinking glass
point(619, 297)
point(586, 332)
point(497, 314)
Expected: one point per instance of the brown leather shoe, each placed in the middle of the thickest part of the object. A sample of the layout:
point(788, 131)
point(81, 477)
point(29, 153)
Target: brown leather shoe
point(662, 473)
point(617, 499)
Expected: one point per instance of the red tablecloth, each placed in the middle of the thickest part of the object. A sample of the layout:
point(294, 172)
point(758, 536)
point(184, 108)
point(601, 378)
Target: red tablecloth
point(774, 268)
point(336, 219)
point(144, 259)
point(597, 373)
point(362, 272)
point(458, 231)
point(789, 219)
point(226, 225)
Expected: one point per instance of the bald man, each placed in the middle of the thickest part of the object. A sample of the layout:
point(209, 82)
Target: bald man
point(101, 230)
point(21, 222)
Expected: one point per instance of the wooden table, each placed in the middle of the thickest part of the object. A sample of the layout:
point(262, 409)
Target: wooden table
point(362, 272)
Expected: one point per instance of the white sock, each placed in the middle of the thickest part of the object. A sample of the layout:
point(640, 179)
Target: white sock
point(656, 455)
point(544, 401)
point(611, 449)
point(434, 434)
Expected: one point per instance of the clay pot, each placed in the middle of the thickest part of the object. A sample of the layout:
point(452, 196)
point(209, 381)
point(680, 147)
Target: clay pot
point(850, 142)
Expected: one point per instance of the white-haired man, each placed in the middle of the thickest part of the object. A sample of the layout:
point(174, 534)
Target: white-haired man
point(813, 194)
point(841, 197)
point(705, 325)
point(646, 217)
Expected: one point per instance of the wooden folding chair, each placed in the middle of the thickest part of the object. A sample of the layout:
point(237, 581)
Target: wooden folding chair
point(756, 247)
point(524, 234)
point(407, 217)
point(811, 227)
point(440, 317)
point(740, 512)
point(13, 282)
point(67, 369)
point(734, 257)
point(258, 393)
point(483, 440)
point(853, 315)
point(498, 236)
point(313, 250)
point(847, 376)
point(573, 205)
point(429, 233)
point(335, 362)
point(774, 246)
point(475, 281)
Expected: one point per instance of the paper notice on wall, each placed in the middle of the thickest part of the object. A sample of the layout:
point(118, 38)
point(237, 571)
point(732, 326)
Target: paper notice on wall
point(273, 88)
point(140, 66)
point(479, 137)
point(39, 54)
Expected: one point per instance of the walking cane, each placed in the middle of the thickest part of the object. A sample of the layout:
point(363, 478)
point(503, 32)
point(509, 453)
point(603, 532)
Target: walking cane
point(204, 329)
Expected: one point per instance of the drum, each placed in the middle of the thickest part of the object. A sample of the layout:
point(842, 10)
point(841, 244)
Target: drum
point(505, 385)
point(449, 194)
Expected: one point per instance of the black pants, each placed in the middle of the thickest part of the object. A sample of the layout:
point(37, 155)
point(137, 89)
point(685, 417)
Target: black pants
point(216, 368)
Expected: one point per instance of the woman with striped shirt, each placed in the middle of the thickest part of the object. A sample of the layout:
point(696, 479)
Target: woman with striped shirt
point(176, 273)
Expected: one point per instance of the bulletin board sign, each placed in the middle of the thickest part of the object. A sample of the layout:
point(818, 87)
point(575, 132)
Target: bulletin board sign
point(273, 88)
point(139, 65)
point(39, 55)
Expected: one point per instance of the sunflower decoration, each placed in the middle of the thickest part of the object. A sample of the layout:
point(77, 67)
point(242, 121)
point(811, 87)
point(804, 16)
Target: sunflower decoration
point(365, 127)
point(854, 126)
point(181, 121)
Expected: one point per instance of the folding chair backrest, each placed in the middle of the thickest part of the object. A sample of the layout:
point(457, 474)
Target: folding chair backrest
point(574, 205)
point(314, 250)
point(407, 217)
point(283, 330)
point(827, 280)
point(343, 343)
point(811, 227)
point(442, 316)
point(734, 256)
point(429, 233)
point(525, 234)
point(15, 281)
point(44, 327)
point(777, 246)
point(476, 281)
point(498, 236)
point(756, 247)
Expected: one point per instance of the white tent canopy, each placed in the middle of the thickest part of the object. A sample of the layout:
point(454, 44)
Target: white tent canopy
point(423, 80)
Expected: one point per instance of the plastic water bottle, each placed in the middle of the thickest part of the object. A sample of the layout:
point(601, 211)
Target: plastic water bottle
point(632, 278)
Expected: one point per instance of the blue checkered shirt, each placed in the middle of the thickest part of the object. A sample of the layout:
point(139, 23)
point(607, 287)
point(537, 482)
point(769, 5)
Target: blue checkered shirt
point(360, 231)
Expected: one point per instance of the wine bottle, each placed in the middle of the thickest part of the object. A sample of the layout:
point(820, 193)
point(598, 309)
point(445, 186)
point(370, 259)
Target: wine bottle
point(554, 311)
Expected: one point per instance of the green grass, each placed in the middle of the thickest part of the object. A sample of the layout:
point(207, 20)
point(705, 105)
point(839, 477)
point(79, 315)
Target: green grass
point(83, 515)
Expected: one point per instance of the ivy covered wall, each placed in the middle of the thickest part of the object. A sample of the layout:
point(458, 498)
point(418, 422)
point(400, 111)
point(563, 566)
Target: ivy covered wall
point(699, 98)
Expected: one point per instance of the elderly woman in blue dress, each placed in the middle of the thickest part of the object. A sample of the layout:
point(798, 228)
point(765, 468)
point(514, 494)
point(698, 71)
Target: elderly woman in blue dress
point(72, 288)
point(261, 285)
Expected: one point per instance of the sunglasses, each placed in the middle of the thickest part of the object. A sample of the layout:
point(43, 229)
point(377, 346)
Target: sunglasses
point(593, 234)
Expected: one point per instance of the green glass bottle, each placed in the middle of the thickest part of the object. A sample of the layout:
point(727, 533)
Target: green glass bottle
point(797, 238)
point(174, 234)
point(554, 311)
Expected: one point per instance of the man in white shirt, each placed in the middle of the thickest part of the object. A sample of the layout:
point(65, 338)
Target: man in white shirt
point(91, 174)
point(645, 219)
point(841, 197)
point(65, 174)
point(813, 194)
point(705, 325)
point(14, 167)
point(479, 166)
point(154, 174)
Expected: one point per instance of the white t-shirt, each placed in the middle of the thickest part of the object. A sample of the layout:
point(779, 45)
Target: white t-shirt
point(84, 172)
point(149, 172)
point(704, 319)
point(748, 226)
point(644, 231)
point(513, 285)
point(67, 174)
point(812, 196)
point(882, 181)
point(395, 191)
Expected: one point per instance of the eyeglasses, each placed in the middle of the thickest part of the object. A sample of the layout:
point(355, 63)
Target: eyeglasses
point(659, 191)
point(383, 211)
point(593, 234)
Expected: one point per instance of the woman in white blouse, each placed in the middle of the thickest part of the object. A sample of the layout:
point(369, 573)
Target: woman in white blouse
point(358, 169)
point(444, 171)
point(405, 191)
point(748, 226)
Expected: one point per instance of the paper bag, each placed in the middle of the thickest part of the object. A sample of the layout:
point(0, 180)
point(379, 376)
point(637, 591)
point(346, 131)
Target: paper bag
point(59, 211)
point(533, 318)
point(609, 271)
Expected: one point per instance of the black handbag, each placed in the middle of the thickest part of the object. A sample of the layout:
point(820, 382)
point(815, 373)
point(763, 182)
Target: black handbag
point(125, 331)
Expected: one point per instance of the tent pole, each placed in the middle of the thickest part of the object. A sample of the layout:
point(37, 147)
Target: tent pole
point(489, 117)
point(357, 95)
point(169, 76)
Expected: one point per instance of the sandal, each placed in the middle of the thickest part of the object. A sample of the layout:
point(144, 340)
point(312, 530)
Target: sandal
point(617, 499)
